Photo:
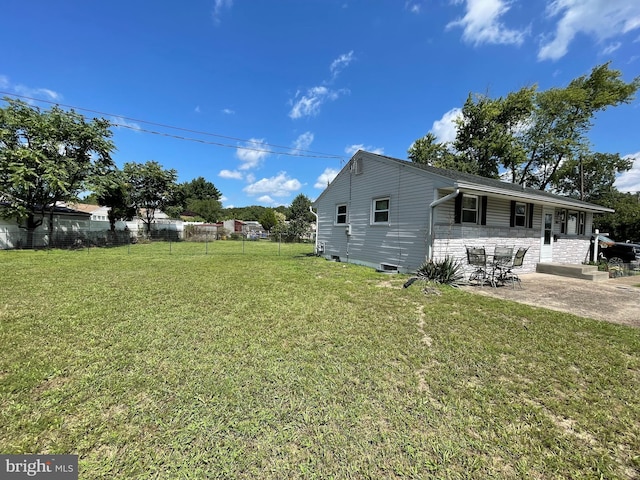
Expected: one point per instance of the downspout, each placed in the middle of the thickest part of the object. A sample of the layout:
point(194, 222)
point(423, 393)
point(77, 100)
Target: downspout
point(315, 251)
point(432, 207)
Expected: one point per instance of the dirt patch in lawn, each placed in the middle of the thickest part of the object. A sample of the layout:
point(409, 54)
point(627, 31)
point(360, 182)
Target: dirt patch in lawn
point(614, 300)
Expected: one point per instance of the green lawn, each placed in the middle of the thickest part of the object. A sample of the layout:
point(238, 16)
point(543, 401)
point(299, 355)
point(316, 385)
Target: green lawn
point(150, 363)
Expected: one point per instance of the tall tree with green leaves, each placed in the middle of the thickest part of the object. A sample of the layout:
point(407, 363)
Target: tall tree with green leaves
point(488, 137)
point(428, 151)
point(113, 191)
point(590, 177)
point(46, 157)
point(201, 197)
point(557, 130)
point(151, 188)
point(531, 135)
point(268, 220)
point(624, 224)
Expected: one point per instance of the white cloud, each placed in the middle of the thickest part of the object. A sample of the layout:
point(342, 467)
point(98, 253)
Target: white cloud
point(197, 109)
point(223, 198)
point(218, 7)
point(351, 149)
point(266, 199)
point(233, 174)
point(445, 128)
point(340, 63)
point(413, 7)
point(120, 122)
point(309, 104)
point(630, 181)
point(35, 93)
point(612, 47)
point(481, 24)
point(279, 186)
point(602, 19)
point(326, 178)
point(252, 153)
point(303, 142)
point(228, 111)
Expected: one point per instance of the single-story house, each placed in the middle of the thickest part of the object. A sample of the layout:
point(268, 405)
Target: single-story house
point(68, 225)
point(393, 215)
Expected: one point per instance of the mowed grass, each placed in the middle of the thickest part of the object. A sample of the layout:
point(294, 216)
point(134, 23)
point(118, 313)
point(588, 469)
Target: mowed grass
point(276, 364)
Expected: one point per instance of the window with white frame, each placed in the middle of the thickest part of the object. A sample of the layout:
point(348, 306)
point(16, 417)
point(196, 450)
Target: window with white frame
point(380, 210)
point(470, 209)
point(341, 214)
point(520, 215)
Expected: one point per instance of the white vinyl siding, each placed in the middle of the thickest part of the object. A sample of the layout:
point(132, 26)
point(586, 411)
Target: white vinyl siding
point(402, 241)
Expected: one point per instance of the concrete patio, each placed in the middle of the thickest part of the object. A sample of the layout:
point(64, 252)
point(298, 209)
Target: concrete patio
point(613, 300)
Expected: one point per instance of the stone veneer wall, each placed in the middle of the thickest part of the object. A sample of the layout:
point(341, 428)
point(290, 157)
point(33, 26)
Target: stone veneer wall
point(571, 249)
point(451, 240)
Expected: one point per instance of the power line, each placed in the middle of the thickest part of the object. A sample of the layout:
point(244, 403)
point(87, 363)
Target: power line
point(218, 144)
point(292, 151)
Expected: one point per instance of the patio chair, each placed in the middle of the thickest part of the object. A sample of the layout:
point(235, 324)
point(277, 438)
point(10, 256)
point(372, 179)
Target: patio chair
point(518, 260)
point(477, 259)
point(502, 261)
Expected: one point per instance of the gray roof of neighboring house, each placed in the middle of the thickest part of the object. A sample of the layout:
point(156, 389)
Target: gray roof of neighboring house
point(60, 210)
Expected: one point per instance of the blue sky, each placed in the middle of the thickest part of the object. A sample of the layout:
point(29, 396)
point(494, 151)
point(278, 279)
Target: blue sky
point(277, 95)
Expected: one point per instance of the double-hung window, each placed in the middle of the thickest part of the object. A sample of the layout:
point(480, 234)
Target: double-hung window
point(380, 210)
point(520, 215)
point(470, 209)
point(341, 214)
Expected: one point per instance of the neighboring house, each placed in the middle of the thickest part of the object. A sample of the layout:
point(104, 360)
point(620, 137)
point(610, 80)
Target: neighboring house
point(393, 215)
point(229, 227)
point(161, 223)
point(253, 229)
point(99, 215)
point(68, 226)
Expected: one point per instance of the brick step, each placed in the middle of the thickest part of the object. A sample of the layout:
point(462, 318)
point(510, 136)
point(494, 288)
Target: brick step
point(584, 272)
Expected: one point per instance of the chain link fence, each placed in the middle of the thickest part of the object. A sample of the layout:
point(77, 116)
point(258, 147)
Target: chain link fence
point(192, 241)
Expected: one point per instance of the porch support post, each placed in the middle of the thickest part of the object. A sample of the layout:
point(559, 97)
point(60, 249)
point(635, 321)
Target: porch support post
point(432, 207)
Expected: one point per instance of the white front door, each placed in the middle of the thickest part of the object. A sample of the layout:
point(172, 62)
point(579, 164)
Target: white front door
point(546, 247)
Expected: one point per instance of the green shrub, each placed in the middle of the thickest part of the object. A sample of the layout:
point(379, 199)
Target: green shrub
point(447, 271)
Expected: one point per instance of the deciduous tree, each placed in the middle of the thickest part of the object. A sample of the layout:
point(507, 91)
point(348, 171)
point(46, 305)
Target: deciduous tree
point(47, 157)
point(151, 188)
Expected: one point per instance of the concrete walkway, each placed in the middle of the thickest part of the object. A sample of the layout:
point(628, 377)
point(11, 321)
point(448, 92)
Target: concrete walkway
point(614, 300)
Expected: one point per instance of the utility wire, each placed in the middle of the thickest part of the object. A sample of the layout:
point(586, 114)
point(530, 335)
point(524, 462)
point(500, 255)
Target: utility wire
point(218, 144)
point(292, 151)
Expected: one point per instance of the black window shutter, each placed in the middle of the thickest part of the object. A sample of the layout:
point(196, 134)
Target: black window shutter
point(483, 212)
point(531, 215)
point(513, 213)
point(457, 216)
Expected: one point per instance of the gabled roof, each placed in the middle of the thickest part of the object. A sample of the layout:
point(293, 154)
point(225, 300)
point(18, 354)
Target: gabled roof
point(467, 182)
